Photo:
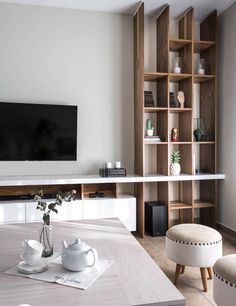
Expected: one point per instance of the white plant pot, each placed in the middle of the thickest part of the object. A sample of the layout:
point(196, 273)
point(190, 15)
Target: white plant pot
point(175, 169)
point(150, 132)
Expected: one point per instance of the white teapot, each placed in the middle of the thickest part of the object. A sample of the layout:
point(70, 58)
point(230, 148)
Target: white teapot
point(77, 256)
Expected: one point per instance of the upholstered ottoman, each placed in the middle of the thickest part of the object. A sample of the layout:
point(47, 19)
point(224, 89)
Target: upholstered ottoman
point(224, 281)
point(193, 245)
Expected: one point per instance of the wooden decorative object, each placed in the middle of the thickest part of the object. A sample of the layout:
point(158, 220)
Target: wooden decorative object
point(181, 98)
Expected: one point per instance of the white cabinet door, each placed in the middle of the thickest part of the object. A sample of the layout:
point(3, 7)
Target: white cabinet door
point(12, 212)
point(123, 208)
point(68, 211)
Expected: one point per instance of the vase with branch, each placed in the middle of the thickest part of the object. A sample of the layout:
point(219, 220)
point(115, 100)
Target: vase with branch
point(45, 234)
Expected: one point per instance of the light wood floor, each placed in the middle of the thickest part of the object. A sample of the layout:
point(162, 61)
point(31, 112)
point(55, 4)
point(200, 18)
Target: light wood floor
point(189, 284)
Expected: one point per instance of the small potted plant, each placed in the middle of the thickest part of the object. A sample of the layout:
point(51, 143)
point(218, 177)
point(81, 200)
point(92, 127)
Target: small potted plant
point(175, 165)
point(45, 235)
point(198, 133)
point(150, 128)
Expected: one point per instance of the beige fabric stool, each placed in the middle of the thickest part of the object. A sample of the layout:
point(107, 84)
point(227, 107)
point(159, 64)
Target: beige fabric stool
point(193, 245)
point(224, 281)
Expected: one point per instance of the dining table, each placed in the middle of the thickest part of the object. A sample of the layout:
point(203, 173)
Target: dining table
point(133, 278)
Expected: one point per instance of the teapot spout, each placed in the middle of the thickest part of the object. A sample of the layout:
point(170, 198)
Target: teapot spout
point(64, 245)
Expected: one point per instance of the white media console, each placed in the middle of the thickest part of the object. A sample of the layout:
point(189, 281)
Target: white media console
point(122, 207)
point(112, 205)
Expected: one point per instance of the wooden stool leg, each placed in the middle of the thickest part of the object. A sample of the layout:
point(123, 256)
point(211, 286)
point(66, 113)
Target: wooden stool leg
point(204, 278)
point(182, 269)
point(177, 273)
point(209, 269)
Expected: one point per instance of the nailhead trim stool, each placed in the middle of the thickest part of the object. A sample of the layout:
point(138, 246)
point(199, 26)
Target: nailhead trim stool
point(224, 281)
point(193, 245)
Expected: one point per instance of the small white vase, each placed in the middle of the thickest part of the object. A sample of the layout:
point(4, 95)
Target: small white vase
point(175, 169)
point(149, 132)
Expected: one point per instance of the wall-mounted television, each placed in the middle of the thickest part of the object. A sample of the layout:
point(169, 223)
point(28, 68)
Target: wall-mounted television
point(38, 132)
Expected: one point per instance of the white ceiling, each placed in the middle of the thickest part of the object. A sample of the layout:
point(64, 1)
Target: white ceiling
point(201, 7)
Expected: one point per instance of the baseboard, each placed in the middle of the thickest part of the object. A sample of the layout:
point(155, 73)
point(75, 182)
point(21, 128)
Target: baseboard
point(226, 230)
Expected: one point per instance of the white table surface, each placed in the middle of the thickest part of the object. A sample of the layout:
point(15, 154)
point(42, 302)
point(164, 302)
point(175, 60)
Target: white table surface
point(133, 279)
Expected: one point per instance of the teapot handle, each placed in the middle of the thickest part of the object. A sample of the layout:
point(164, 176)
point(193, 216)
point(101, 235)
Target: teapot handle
point(94, 258)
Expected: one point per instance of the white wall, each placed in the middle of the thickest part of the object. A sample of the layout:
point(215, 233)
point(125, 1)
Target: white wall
point(50, 55)
point(227, 116)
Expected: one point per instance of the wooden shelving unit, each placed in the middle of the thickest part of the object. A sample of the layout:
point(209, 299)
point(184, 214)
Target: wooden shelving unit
point(196, 201)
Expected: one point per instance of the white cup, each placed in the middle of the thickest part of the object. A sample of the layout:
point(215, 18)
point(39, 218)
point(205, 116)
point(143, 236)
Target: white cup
point(31, 259)
point(108, 165)
point(32, 247)
point(117, 164)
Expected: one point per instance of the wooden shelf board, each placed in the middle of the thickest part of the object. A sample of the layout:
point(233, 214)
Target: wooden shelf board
point(152, 142)
point(177, 44)
point(181, 142)
point(202, 204)
point(153, 76)
point(200, 46)
point(154, 109)
point(179, 205)
point(204, 142)
point(202, 78)
point(176, 77)
point(179, 110)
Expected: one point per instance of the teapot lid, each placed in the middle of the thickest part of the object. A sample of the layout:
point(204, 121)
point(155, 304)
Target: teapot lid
point(77, 245)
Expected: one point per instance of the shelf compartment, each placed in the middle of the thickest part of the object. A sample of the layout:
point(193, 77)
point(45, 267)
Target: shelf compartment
point(177, 77)
point(202, 204)
point(205, 216)
point(158, 84)
point(179, 205)
point(109, 190)
point(203, 78)
point(155, 109)
point(201, 45)
point(156, 159)
point(154, 76)
point(183, 122)
point(177, 44)
point(179, 110)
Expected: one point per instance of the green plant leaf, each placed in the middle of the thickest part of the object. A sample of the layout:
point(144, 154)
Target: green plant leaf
point(46, 219)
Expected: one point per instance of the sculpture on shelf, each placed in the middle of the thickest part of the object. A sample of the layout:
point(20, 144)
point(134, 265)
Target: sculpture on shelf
point(181, 98)
point(174, 135)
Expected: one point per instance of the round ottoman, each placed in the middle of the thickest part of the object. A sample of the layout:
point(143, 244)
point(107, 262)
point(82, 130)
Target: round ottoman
point(224, 281)
point(193, 245)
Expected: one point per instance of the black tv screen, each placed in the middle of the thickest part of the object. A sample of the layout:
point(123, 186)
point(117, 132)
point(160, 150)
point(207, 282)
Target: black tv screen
point(37, 132)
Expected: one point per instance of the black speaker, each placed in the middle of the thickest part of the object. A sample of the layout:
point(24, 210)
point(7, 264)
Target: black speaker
point(155, 218)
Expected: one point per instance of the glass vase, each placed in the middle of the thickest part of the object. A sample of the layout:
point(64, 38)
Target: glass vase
point(45, 237)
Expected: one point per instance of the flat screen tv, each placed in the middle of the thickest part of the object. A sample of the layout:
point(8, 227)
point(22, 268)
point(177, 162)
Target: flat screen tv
point(37, 132)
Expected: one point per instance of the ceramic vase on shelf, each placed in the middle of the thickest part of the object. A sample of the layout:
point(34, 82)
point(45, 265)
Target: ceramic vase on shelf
point(45, 237)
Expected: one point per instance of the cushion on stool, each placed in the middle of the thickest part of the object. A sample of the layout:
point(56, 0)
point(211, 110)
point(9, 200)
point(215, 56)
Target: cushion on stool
point(194, 233)
point(224, 280)
point(193, 245)
point(225, 267)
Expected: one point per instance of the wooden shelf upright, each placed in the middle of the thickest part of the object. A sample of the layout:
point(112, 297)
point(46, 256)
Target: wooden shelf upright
point(194, 201)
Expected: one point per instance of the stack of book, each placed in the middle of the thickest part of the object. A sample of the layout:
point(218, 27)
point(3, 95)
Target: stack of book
point(153, 138)
point(148, 99)
point(106, 172)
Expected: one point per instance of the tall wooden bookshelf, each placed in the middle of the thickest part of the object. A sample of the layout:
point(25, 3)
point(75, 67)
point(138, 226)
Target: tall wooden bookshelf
point(186, 201)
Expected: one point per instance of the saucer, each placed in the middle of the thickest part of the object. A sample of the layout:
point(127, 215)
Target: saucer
point(24, 268)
